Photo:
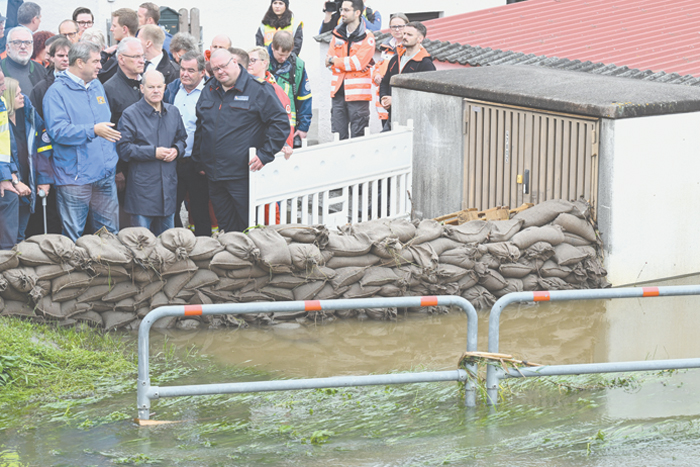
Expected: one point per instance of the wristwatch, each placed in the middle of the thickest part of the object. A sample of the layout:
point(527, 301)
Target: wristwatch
point(15, 181)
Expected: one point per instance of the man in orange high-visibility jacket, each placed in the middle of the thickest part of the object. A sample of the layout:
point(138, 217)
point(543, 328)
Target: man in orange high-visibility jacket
point(350, 58)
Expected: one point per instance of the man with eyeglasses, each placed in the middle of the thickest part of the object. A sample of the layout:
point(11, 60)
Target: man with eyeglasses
point(350, 59)
point(18, 63)
point(85, 19)
point(254, 118)
point(70, 29)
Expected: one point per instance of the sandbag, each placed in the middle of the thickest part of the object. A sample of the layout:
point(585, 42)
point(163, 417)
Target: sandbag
point(287, 281)
point(513, 286)
point(116, 319)
point(476, 231)
point(18, 308)
point(505, 252)
point(553, 283)
point(57, 247)
point(226, 284)
point(68, 293)
point(381, 314)
point(576, 226)
point(378, 276)
point(575, 240)
point(540, 250)
point(357, 291)
point(479, 297)
point(347, 276)
point(179, 240)
point(30, 254)
point(202, 278)
point(106, 270)
point(551, 234)
point(328, 292)
point(469, 280)
point(120, 292)
point(492, 280)
point(22, 279)
point(552, 269)
point(147, 292)
point(317, 234)
point(317, 273)
point(278, 293)
point(178, 267)
point(72, 307)
point(174, 284)
point(428, 229)
point(308, 291)
point(530, 283)
point(93, 293)
point(503, 230)
point(565, 254)
point(305, 255)
point(143, 275)
point(256, 284)
point(375, 229)
point(489, 261)
point(424, 256)
point(392, 290)
point(8, 260)
point(515, 270)
point(243, 246)
point(249, 272)
point(387, 248)
point(50, 309)
point(104, 247)
point(205, 248)
point(544, 213)
point(348, 245)
point(90, 317)
point(338, 262)
point(274, 252)
point(442, 244)
point(140, 241)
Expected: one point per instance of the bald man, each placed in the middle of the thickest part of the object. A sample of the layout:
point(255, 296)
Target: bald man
point(153, 137)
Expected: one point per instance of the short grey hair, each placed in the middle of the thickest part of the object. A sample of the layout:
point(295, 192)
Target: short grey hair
point(27, 12)
point(95, 36)
point(201, 63)
point(83, 51)
point(16, 29)
point(124, 43)
point(183, 41)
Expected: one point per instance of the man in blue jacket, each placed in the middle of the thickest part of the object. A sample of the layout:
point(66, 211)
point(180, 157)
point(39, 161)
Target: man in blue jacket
point(235, 112)
point(84, 155)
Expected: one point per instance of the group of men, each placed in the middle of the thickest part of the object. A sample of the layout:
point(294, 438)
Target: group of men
point(132, 128)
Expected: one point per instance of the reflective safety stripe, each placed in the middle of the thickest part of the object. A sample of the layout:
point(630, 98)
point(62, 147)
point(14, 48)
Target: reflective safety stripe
point(358, 92)
point(44, 148)
point(303, 98)
point(356, 62)
point(346, 62)
point(5, 158)
point(357, 81)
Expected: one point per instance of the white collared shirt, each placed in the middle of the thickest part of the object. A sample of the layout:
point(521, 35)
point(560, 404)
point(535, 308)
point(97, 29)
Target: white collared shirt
point(154, 62)
point(186, 103)
point(77, 79)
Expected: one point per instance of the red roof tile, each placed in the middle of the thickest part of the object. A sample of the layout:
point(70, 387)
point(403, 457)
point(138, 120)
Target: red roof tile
point(659, 35)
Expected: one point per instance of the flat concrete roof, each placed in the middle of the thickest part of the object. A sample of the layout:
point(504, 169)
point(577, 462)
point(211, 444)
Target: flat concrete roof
point(557, 90)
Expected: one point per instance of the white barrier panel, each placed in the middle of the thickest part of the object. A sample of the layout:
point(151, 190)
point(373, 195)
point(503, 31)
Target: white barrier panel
point(335, 183)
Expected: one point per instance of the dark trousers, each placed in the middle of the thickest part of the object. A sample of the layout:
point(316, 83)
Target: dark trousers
point(9, 220)
point(36, 220)
point(230, 201)
point(190, 181)
point(353, 113)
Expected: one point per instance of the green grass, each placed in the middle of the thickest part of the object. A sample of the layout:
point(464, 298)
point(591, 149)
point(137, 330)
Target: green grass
point(42, 362)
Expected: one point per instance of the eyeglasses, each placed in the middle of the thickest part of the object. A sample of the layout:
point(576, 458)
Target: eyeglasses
point(217, 69)
point(20, 43)
point(69, 34)
point(398, 27)
point(85, 23)
point(135, 57)
point(253, 60)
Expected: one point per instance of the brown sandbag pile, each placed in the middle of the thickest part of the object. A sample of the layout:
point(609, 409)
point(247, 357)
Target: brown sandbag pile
point(112, 281)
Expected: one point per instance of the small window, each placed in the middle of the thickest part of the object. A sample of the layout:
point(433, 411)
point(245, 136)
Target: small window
point(425, 15)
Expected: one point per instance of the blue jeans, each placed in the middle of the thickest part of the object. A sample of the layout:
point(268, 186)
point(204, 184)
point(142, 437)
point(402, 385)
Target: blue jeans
point(97, 199)
point(156, 224)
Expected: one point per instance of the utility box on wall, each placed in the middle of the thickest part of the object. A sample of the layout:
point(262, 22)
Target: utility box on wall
point(504, 135)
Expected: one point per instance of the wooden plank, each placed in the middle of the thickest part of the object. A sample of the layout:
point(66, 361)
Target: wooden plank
point(478, 157)
point(502, 153)
point(549, 183)
point(493, 158)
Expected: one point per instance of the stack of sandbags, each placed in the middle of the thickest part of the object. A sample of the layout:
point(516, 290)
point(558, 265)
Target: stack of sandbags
point(113, 281)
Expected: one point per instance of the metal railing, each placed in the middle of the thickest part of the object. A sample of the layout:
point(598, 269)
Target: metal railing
point(494, 374)
point(146, 392)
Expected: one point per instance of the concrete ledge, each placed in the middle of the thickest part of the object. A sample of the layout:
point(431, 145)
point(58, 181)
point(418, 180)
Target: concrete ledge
point(557, 90)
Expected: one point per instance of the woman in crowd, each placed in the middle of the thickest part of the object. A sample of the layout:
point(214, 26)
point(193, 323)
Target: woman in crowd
point(33, 151)
point(280, 18)
point(388, 50)
point(40, 49)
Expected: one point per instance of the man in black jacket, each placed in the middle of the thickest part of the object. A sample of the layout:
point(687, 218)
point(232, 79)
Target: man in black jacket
point(123, 89)
point(125, 23)
point(235, 112)
point(412, 58)
point(157, 57)
point(153, 136)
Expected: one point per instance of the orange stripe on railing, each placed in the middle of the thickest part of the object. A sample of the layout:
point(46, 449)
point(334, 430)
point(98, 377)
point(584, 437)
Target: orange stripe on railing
point(312, 305)
point(193, 310)
point(650, 291)
point(428, 301)
point(540, 296)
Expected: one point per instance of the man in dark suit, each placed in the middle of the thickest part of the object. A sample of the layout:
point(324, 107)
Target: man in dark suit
point(152, 37)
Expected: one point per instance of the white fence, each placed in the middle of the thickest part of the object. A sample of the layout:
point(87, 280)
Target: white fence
point(339, 182)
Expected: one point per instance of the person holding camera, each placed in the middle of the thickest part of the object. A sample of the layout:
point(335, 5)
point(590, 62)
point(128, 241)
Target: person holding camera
point(350, 59)
point(372, 19)
point(280, 18)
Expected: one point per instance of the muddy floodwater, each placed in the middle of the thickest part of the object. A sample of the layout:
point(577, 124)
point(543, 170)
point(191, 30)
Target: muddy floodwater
point(620, 420)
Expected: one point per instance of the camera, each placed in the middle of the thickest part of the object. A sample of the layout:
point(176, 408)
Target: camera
point(333, 6)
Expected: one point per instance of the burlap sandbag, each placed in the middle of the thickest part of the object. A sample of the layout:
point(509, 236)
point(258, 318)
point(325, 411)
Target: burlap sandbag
point(274, 252)
point(143, 275)
point(378, 276)
point(158, 300)
point(356, 290)
point(375, 229)
point(347, 276)
point(565, 254)
point(93, 293)
point(127, 304)
point(100, 306)
point(22, 279)
point(424, 256)
point(505, 252)
point(515, 270)
point(67, 294)
point(480, 297)
point(205, 248)
point(545, 212)
point(107, 270)
point(200, 298)
point(450, 273)
point(530, 283)
point(90, 317)
point(308, 291)
point(552, 269)
point(249, 272)
point(578, 275)
point(317, 234)
point(202, 278)
point(50, 309)
point(140, 241)
point(503, 230)
point(492, 280)
point(104, 247)
point(278, 293)
point(220, 296)
point(489, 261)
point(442, 244)
point(540, 250)
point(387, 248)
point(589, 251)
point(476, 231)
point(57, 247)
point(120, 292)
point(463, 256)
point(8, 260)
point(514, 285)
point(575, 240)
point(174, 284)
point(30, 254)
point(400, 258)
point(427, 230)
point(289, 315)
point(469, 280)
point(256, 284)
point(553, 283)
point(116, 319)
point(287, 281)
point(338, 262)
point(349, 245)
point(328, 292)
point(178, 267)
point(110, 281)
point(392, 290)
point(252, 296)
point(17, 308)
point(227, 284)
point(243, 246)
point(179, 240)
point(551, 234)
point(148, 291)
point(72, 307)
point(305, 256)
point(317, 273)
point(381, 314)
point(576, 226)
